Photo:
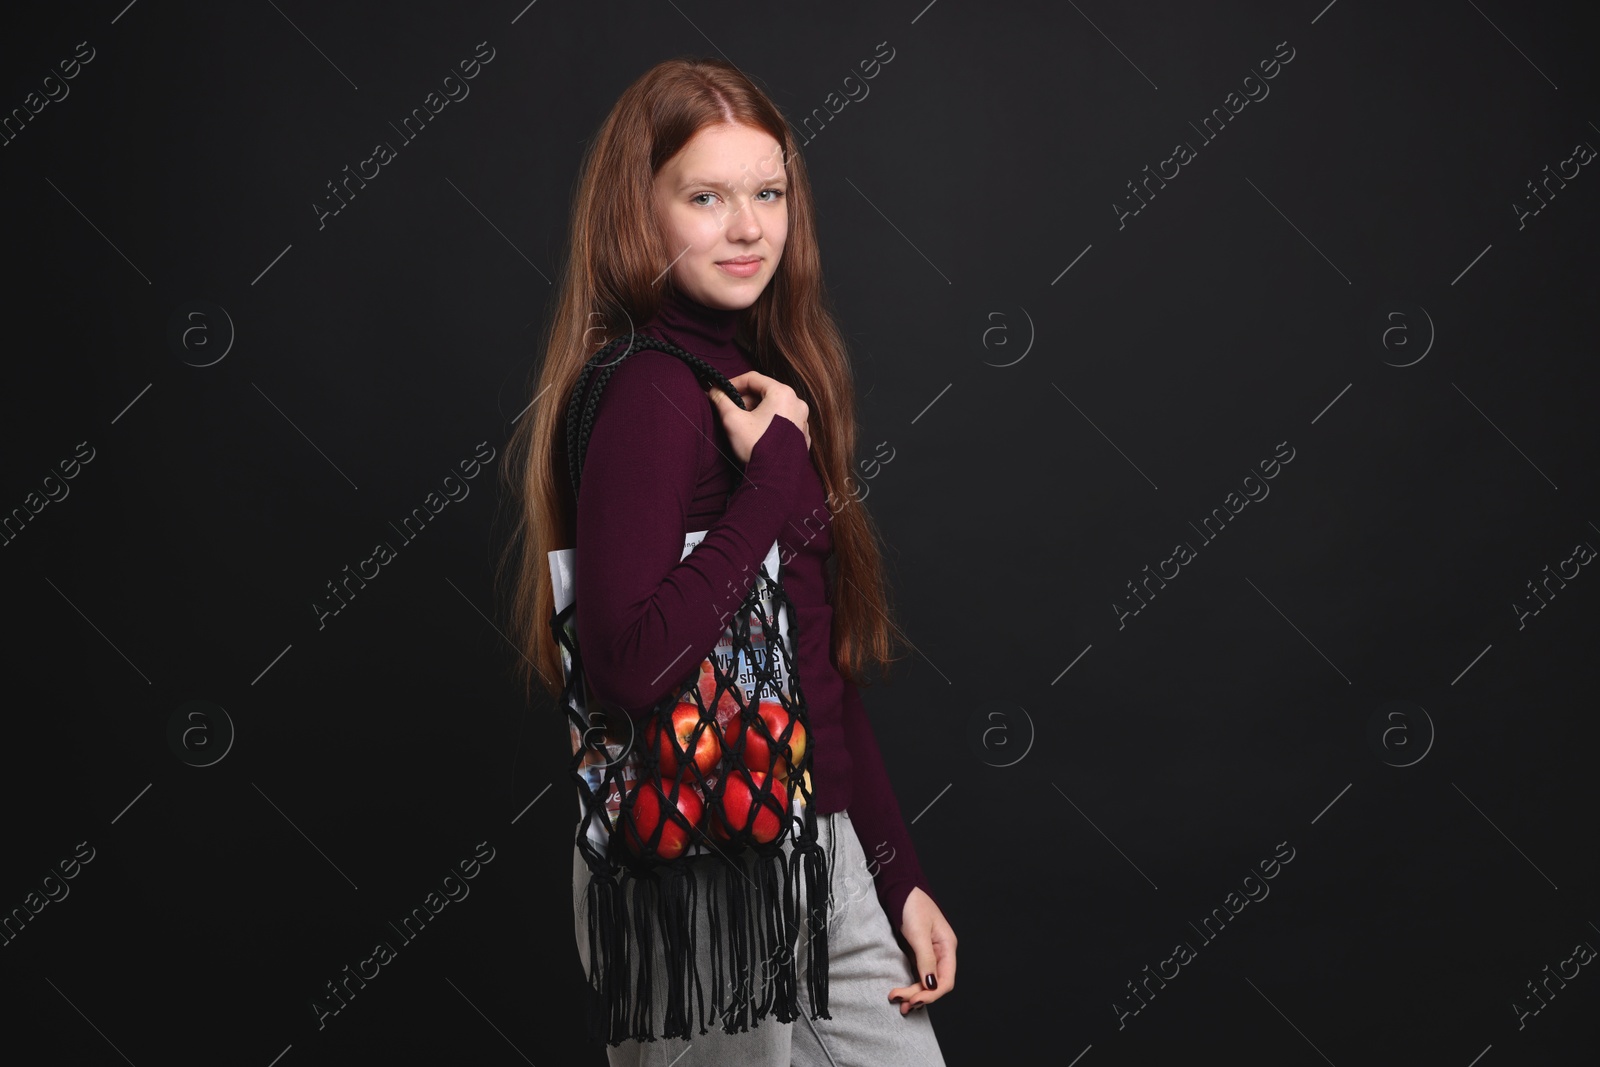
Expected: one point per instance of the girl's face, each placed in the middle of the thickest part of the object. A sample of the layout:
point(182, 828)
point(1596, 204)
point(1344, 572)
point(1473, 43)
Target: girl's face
point(720, 205)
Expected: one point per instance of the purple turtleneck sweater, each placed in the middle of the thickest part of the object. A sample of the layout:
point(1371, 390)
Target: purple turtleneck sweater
point(659, 466)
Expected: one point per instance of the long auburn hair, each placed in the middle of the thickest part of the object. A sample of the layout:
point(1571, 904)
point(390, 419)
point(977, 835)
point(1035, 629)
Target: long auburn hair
point(609, 282)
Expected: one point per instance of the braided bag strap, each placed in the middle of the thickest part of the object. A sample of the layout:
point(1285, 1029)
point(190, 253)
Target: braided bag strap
point(598, 369)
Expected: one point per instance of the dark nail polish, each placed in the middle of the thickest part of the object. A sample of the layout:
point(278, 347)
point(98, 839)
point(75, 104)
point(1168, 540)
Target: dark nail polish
point(930, 981)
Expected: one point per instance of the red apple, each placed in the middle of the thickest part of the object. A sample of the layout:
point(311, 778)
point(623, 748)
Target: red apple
point(648, 802)
point(742, 790)
point(670, 746)
point(758, 751)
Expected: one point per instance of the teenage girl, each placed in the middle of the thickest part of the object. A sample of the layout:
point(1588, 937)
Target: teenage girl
point(693, 221)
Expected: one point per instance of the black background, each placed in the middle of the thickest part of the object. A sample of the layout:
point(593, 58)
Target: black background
point(1053, 431)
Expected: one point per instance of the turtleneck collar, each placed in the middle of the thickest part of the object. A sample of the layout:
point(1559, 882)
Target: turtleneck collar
point(708, 332)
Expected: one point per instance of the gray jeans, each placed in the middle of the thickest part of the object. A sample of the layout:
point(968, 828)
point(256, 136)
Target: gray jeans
point(864, 963)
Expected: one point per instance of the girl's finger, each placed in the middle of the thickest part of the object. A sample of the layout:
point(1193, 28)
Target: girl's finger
point(910, 998)
point(944, 951)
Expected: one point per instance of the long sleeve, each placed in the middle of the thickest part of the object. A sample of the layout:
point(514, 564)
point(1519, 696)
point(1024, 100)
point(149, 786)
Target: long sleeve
point(876, 815)
point(644, 617)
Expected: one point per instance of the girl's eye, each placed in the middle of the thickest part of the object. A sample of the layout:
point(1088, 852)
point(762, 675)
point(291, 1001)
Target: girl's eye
point(777, 194)
point(695, 199)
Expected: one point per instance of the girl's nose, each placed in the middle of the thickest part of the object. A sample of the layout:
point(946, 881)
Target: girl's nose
point(743, 224)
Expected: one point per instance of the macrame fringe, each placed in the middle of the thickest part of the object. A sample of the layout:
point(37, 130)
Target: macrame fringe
point(751, 908)
point(814, 866)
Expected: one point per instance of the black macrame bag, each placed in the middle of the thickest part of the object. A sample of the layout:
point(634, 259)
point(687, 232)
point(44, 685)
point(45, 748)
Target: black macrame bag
point(694, 801)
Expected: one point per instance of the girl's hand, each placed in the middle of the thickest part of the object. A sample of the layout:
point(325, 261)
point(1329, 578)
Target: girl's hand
point(773, 398)
point(923, 926)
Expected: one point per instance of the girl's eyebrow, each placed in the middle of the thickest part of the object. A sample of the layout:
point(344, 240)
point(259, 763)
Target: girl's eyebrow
point(777, 179)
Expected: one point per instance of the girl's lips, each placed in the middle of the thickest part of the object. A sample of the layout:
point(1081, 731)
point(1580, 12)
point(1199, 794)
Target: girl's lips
point(738, 269)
